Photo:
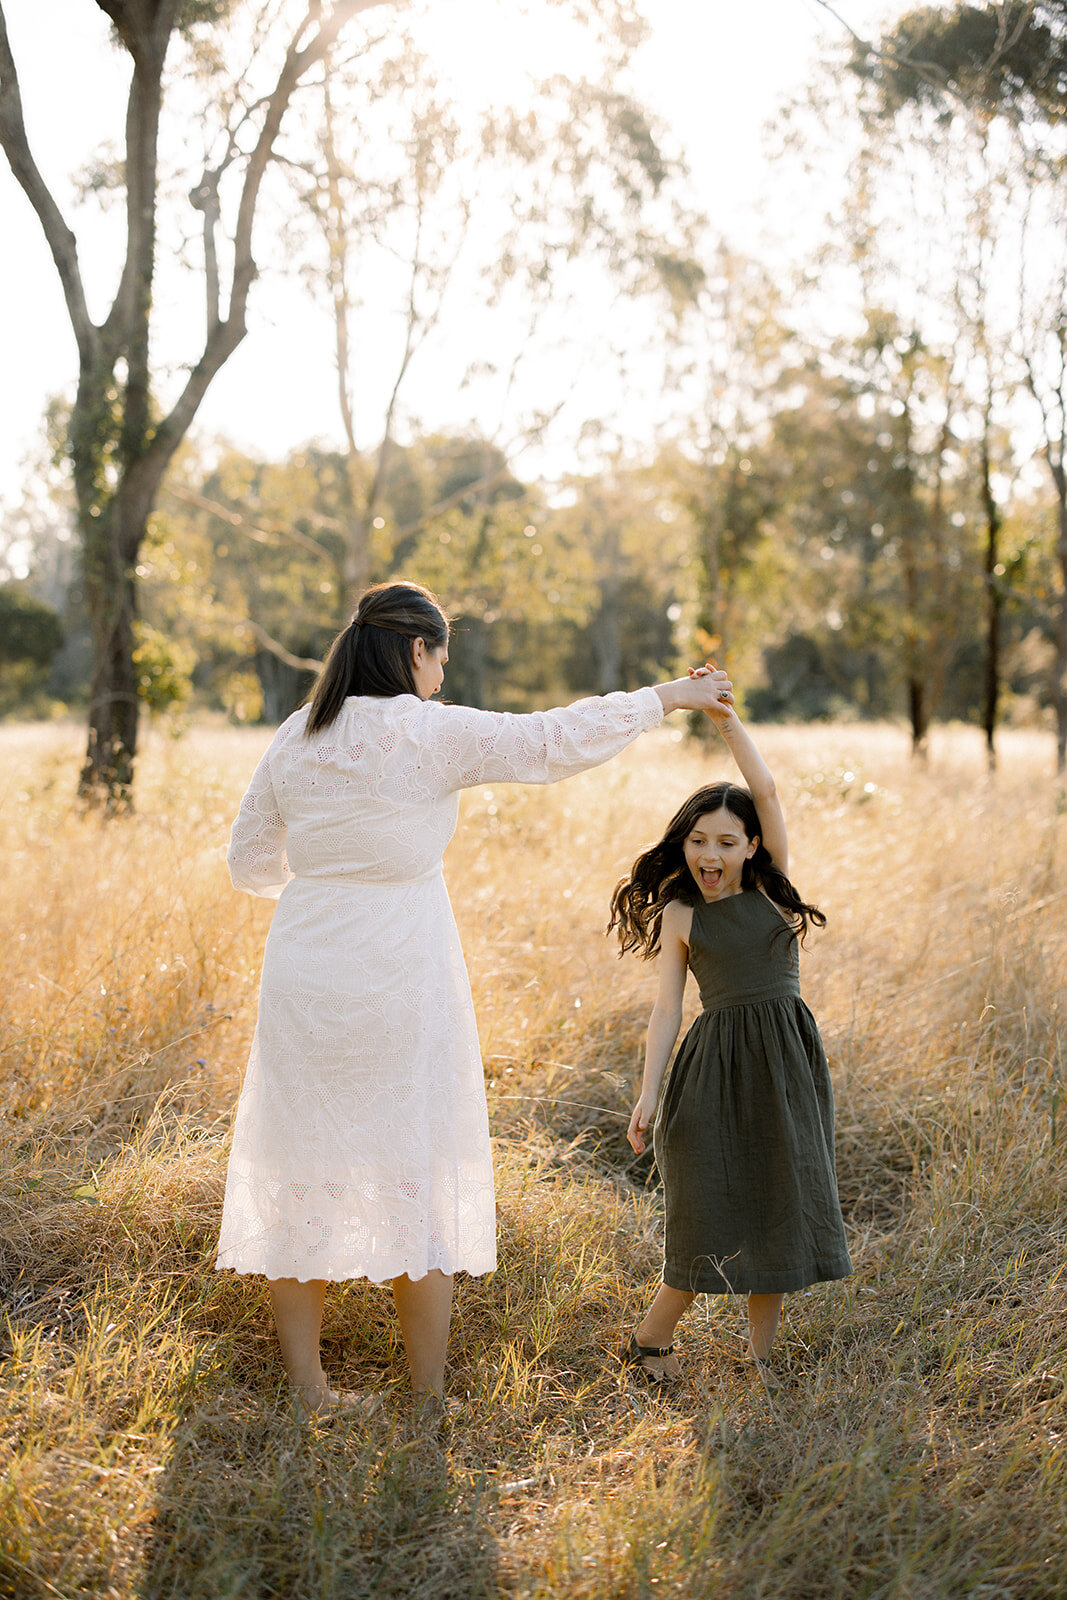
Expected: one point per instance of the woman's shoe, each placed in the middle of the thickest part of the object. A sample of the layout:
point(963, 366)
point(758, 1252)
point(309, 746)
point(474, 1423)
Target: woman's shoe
point(657, 1363)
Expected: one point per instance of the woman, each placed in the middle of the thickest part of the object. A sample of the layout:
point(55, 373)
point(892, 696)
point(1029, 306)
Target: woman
point(361, 1146)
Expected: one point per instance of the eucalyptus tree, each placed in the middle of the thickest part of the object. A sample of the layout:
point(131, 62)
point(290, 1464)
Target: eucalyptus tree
point(737, 358)
point(121, 438)
point(637, 546)
point(476, 220)
point(999, 73)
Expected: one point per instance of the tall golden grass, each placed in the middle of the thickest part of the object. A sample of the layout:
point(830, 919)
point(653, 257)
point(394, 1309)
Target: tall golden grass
point(916, 1449)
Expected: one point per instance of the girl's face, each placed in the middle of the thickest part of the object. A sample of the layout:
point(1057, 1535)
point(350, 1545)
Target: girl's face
point(716, 849)
point(428, 667)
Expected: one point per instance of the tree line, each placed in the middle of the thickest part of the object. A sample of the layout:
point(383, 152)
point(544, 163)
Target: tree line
point(797, 557)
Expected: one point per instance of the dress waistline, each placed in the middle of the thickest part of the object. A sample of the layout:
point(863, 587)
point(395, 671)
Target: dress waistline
point(765, 996)
point(353, 882)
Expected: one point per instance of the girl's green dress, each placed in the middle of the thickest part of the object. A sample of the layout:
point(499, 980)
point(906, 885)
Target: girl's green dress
point(744, 1137)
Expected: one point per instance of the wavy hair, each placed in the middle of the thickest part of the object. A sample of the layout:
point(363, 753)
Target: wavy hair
point(373, 654)
point(661, 874)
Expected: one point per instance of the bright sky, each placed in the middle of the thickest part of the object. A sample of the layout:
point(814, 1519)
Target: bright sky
point(715, 70)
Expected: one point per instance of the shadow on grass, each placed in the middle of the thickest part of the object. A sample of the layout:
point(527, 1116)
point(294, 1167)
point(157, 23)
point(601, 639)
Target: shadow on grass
point(263, 1504)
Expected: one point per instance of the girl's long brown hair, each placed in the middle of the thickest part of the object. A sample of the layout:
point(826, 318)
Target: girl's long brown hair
point(660, 874)
point(373, 654)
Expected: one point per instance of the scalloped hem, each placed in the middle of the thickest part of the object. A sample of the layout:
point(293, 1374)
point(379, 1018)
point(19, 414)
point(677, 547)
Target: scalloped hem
point(374, 1274)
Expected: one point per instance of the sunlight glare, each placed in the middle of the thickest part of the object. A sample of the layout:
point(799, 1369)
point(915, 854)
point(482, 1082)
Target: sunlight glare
point(500, 49)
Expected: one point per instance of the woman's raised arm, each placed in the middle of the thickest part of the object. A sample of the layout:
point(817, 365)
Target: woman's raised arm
point(474, 746)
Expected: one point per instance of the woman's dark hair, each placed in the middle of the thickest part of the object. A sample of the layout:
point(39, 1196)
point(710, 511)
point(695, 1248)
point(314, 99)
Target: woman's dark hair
point(661, 874)
point(373, 654)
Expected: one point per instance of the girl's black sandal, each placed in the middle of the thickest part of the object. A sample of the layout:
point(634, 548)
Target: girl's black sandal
point(632, 1354)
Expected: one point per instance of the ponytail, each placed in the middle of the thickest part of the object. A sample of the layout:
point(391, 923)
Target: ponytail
point(372, 655)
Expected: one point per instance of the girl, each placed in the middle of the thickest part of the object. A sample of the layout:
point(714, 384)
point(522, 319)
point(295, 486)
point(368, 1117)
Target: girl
point(361, 1146)
point(744, 1138)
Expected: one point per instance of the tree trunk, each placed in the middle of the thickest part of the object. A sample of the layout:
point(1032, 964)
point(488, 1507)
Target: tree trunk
point(607, 639)
point(911, 534)
point(112, 533)
point(994, 605)
point(1059, 672)
point(476, 648)
point(607, 634)
point(282, 686)
point(111, 595)
point(710, 620)
point(357, 565)
point(919, 716)
point(918, 704)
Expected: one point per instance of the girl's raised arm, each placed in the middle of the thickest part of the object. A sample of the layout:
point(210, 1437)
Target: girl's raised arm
point(757, 775)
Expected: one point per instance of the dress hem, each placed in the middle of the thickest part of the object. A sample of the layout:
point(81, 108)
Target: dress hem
point(273, 1272)
point(713, 1282)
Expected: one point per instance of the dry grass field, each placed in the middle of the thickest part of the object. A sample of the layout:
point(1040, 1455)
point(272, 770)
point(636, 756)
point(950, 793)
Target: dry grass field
point(916, 1450)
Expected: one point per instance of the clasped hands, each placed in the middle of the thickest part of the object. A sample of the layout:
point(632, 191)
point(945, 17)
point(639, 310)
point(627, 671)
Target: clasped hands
point(719, 705)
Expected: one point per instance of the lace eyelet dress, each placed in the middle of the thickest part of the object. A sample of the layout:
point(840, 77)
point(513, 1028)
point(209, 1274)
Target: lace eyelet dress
point(361, 1143)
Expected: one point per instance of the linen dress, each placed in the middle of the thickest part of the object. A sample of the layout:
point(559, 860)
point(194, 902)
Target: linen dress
point(744, 1137)
point(361, 1143)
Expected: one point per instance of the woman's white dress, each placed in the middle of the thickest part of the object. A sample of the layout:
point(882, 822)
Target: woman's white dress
point(361, 1145)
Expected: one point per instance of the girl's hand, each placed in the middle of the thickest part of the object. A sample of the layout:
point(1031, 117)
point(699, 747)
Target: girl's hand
point(643, 1112)
point(722, 708)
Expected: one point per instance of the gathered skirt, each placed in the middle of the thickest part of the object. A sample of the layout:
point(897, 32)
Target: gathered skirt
point(361, 1142)
point(744, 1143)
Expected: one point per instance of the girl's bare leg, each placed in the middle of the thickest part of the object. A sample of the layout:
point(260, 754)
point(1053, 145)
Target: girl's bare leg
point(662, 1316)
point(764, 1313)
point(424, 1307)
point(298, 1318)
point(656, 1330)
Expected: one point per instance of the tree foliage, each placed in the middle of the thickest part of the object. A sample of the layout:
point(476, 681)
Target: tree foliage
point(1007, 59)
point(30, 631)
point(999, 74)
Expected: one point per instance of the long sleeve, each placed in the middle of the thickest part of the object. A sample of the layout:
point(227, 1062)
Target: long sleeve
point(256, 855)
point(543, 746)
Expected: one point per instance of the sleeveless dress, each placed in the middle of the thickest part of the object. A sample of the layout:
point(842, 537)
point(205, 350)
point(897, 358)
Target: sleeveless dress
point(361, 1145)
point(744, 1136)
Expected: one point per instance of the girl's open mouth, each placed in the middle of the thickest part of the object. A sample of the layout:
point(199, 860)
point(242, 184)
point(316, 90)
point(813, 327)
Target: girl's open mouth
point(711, 877)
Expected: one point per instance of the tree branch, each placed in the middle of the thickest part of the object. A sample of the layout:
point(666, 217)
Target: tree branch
point(296, 63)
point(929, 71)
point(1007, 41)
point(226, 335)
point(146, 41)
point(301, 663)
point(60, 239)
point(440, 507)
point(335, 228)
point(252, 530)
point(418, 329)
point(205, 198)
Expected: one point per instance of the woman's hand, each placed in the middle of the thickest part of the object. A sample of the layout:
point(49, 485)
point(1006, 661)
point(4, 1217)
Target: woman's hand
point(644, 1111)
point(705, 689)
